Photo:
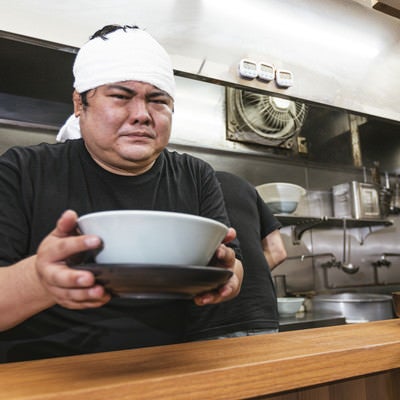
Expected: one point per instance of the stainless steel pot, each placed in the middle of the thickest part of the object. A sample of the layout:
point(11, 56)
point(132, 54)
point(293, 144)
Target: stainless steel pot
point(355, 307)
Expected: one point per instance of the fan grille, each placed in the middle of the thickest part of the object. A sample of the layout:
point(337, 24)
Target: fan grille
point(269, 116)
point(274, 120)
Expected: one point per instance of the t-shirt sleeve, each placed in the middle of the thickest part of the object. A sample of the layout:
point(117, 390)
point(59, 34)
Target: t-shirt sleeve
point(13, 224)
point(268, 222)
point(213, 205)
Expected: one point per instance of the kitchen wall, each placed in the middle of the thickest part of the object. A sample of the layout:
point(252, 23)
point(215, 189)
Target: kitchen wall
point(200, 128)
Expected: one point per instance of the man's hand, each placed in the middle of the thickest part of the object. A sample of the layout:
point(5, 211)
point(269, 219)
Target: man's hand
point(68, 287)
point(224, 257)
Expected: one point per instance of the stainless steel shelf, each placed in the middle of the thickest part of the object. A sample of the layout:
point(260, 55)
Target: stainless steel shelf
point(300, 224)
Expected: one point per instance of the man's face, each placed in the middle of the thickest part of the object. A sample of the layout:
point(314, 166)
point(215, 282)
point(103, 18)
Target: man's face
point(126, 125)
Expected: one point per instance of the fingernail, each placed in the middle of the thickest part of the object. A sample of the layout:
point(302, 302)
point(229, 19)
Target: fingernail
point(84, 280)
point(95, 292)
point(92, 241)
point(206, 299)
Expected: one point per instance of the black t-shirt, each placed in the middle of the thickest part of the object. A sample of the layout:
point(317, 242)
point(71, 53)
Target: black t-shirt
point(37, 184)
point(255, 307)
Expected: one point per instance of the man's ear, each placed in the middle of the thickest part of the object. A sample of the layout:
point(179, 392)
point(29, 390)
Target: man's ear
point(77, 100)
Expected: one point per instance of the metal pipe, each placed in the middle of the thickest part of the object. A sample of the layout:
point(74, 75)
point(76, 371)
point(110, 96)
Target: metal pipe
point(303, 256)
point(334, 263)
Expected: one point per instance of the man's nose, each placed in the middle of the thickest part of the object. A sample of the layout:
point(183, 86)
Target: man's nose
point(139, 112)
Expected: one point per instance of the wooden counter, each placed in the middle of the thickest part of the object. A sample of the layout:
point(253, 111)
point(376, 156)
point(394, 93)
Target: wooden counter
point(308, 364)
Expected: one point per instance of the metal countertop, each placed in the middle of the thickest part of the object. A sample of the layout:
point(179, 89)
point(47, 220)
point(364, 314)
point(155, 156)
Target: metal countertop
point(306, 320)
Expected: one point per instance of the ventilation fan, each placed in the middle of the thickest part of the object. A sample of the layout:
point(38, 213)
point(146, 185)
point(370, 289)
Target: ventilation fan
point(262, 119)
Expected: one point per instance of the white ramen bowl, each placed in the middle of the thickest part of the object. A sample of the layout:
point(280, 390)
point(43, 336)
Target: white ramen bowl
point(289, 305)
point(281, 197)
point(153, 237)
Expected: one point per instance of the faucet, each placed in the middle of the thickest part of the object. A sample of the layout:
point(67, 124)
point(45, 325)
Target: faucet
point(383, 261)
point(333, 262)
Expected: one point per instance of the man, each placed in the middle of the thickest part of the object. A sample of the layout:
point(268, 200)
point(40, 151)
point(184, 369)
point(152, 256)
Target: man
point(124, 91)
point(254, 310)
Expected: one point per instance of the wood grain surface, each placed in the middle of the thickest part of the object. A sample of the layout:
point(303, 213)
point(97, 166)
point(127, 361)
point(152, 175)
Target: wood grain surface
point(219, 369)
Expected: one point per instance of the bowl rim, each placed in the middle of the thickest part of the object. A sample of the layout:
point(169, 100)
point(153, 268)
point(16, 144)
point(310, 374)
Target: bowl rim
point(157, 213)
point(290, 299)
point(287, 184)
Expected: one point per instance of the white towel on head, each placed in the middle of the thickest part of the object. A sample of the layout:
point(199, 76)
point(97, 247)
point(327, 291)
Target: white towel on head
point(70, 130)
point(130, 54)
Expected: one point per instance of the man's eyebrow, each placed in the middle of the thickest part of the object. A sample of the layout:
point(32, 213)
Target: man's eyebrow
point(156, 93)
point(124, 88)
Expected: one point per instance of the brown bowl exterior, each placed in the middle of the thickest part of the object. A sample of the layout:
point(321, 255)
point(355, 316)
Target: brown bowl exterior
point(396, 303)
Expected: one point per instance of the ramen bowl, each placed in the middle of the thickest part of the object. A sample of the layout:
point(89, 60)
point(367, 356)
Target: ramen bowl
point(289, 305)
point(153, 237)
point(281, 197)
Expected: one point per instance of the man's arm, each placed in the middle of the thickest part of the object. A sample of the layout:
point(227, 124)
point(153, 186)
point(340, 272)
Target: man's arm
point(274, 249)
point(43, 280)
point(40, 281)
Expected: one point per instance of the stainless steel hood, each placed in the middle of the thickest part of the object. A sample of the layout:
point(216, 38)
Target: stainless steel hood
point(343, 53)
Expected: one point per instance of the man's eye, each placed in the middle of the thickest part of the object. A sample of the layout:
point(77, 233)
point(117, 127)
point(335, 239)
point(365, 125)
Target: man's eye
point(159, 101)
point(120, 96)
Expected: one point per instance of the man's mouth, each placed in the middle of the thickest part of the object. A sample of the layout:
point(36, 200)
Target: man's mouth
point(138, 135)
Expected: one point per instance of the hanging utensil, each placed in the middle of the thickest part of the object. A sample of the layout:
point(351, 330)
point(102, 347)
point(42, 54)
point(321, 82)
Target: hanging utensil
point(347, 266)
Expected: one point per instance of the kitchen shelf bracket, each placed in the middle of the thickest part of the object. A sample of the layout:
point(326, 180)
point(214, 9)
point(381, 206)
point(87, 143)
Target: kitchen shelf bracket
point(299, 228)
